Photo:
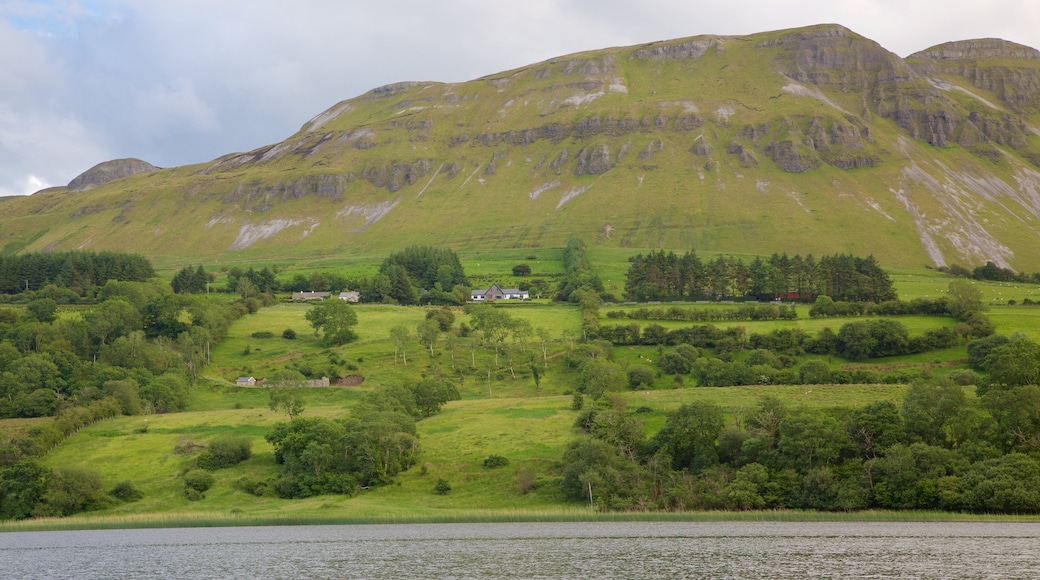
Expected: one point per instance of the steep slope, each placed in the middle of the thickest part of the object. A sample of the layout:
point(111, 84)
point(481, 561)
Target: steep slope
point(812, 140)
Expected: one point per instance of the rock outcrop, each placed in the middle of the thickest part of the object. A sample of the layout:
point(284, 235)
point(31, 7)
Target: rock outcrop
point(109, 171)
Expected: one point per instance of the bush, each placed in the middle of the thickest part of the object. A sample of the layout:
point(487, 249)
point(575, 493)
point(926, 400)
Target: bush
point(198, 480)
point(577, 402)
point(442, 487)
point(262, 334)
point(125, 491)
point(495, 461)
point(964, 377)
point(252, 485)
point(640, 376)
point(73, 489)
point(225, 452)
point(193, 494)
point(289, 334)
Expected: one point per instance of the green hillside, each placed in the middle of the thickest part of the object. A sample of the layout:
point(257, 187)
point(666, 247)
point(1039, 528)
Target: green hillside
point(812, 140)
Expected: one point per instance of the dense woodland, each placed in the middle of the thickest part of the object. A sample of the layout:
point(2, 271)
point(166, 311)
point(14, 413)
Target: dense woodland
point(79, 272)
point(937, 450)
point(669, 276)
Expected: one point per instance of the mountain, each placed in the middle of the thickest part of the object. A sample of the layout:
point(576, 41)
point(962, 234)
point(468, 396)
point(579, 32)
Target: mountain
point(811, 140)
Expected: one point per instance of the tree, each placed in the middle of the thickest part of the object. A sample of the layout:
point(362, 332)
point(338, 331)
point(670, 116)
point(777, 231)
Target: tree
point(427, 331)
point(810, 439)
point(929, 410)
point(521, 270)
point(690, 436)
point(640, 377)
point(286, 392)
point(111, 319)
point(965, 299)
point(1013, 364)
point(600, 376)
point(493, 323)
point(875, 426)
point(400, 335)
point(336, 319)
point(43, 309)
point(431, 394)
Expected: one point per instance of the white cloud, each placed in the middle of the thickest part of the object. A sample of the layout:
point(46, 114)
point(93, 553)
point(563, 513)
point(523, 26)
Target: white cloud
point(183, 81)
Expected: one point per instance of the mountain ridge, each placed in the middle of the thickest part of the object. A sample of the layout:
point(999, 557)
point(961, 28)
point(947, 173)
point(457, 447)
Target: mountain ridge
point(804, 140)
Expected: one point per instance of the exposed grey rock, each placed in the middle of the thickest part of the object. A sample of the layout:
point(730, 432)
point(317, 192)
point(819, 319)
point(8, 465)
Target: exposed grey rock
point(109, 171)
point(689, 49)
point(593, 160)
point(978, 48)
point(557, 163)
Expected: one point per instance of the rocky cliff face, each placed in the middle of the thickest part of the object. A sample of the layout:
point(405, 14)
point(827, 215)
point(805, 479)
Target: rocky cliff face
point(780, 141)
point(1010, 70)
point(108, 171)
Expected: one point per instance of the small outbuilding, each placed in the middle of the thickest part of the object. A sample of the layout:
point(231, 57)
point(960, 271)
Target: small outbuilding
point(245, 381)
point(309, 296)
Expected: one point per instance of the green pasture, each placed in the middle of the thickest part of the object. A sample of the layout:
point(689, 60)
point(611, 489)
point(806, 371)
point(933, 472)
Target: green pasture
point(530, 432)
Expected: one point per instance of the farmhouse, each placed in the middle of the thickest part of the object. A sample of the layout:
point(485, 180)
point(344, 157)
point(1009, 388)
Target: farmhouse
point(309, 296)
point(352, 297)
point(245, 381)
point(496, 292)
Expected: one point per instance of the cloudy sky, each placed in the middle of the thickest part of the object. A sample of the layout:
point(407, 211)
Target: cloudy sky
point(184, 81)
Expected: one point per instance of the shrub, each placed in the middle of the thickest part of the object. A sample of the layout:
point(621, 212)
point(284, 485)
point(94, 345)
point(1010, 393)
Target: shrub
point(262, 334)
point(193, 494)
point(495, 461)
point(442, 487)
point(125, 491)
point(577, 402)
point(73, 489)
point(289, 334)
point(252, 485)
point(225, 452)
point(199, 480)
point(640, 376)
point(526, 480)
point(815, 372)
point(964, 377)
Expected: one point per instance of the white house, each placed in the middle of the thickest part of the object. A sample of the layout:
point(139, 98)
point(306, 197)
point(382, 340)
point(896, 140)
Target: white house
point(352, 297)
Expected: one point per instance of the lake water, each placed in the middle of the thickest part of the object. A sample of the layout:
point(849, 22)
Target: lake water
point(534, 550)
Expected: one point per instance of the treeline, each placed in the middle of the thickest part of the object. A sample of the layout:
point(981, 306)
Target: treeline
point(858, 340)
point(79, 271)
point(678, 313)
point(992, 272)
point(669, 276)
point(938, 450)
point(822, 307)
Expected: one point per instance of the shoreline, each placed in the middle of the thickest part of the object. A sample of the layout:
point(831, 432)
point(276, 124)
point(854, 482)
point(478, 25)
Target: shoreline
point(204, 520)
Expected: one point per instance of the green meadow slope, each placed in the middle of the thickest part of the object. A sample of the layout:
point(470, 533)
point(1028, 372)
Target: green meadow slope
point(813, 140)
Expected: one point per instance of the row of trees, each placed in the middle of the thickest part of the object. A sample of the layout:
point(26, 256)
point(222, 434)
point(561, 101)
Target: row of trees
point(993, 272)
point(80, 271)
point(668, 276)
